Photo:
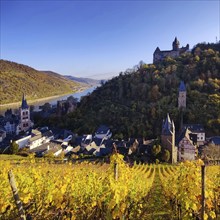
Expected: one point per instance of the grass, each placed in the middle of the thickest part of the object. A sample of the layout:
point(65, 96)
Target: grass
point(12, 157)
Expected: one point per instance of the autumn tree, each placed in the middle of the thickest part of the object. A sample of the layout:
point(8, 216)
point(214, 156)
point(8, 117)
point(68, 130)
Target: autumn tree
point(13, 148)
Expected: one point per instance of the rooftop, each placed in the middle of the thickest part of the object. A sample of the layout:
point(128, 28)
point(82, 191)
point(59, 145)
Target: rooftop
point(182, 87)
point(194, 127)
point(24, 104)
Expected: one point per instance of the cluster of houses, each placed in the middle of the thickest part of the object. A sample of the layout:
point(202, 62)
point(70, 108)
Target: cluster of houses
point(182, 146)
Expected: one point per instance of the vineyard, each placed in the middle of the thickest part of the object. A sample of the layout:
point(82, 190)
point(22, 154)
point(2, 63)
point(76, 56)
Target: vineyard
point(109, 191)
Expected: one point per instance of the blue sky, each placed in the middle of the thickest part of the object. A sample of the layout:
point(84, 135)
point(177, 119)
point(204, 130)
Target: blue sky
point(98, 39)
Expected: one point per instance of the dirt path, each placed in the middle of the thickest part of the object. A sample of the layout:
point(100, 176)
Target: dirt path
point(158, 208)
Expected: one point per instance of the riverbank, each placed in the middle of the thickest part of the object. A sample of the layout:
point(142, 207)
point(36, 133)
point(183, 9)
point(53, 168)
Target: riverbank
point(81, 89)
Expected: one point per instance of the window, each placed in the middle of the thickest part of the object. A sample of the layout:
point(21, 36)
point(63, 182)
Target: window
point(182, 150)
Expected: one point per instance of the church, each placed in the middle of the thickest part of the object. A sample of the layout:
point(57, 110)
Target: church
point(25, 122)
point(182, 146)
point(14, 124)
point(160, 55)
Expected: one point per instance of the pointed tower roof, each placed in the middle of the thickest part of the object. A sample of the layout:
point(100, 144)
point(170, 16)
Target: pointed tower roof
point(176, 41)
point(24, 104)
point(182, 87)
point(157, 50)
point(167, 126)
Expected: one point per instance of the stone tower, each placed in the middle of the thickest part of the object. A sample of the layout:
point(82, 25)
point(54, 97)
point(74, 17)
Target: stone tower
point(176, 44)
point(168, 138)
point(25, 121)
point(182, 96)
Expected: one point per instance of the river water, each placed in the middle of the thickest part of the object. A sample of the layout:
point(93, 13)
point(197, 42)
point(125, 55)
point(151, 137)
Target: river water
point(52, 101)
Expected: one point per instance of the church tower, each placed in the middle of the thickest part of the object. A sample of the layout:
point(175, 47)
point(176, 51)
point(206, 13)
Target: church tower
point(168, 138)
point(25, 121)
point(182, 96)
point(176, 44)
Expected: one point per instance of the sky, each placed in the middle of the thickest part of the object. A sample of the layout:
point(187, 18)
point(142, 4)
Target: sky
point(99, 39)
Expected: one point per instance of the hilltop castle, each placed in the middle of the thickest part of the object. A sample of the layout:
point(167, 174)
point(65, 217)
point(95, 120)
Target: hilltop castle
point(160, 55)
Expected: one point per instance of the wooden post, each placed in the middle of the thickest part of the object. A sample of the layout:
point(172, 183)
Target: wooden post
point(16, 196)
point(203, 192)
point(116, 171)
point(179, 212)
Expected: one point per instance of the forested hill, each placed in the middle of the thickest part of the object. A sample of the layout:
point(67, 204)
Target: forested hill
point(17, 78)
point(135, 103)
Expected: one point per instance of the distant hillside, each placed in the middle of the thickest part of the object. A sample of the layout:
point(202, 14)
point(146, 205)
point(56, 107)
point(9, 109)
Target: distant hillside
point(92, 82)
point(135, 103)
point(18, 78)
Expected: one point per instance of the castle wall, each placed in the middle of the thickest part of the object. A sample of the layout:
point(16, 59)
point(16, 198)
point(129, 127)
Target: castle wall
point(160, 55)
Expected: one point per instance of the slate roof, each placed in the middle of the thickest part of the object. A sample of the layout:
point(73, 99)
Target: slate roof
point(53, 146)
point(103, 129)
point(197, 128)
point(47, 134)
point(167, 126)
point(176, 41)
point(215, 140)
point(157, 50)
point(182, 87)
point(185, 133)
point(97, 141)
point(24, 104)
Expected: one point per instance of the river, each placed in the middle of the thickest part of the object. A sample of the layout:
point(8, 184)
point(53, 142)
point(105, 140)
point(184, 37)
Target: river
point(52, 101)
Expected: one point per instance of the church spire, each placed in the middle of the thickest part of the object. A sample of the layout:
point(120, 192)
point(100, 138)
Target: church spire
point(182, 87)
point(24, 104)
point(167, 126)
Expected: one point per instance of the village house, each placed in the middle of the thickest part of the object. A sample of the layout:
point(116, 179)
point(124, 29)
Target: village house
point(198, 130)
point(50, 147)
point(103, 132)
point(23, 141)
point(187, 150)
point(39, 137)
point(214, 140)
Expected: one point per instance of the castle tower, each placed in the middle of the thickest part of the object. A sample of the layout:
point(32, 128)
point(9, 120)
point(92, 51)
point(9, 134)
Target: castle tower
point(176, 44)
point(25, 121)
point(156, 55)
point(182, 96)
point(168, 138)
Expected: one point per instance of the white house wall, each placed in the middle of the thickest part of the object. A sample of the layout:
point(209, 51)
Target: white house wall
point(23, 141)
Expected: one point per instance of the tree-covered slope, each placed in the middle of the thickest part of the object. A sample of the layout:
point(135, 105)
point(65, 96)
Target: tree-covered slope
point(135, 102)
point(17, 78)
